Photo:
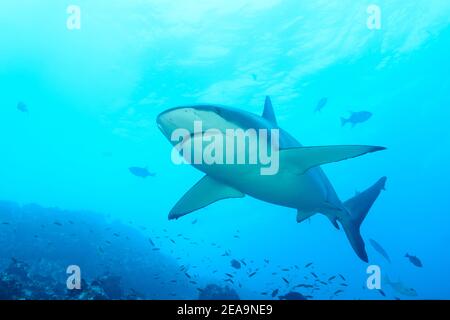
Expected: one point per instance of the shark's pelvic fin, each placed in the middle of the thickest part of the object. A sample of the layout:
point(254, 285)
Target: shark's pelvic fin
point(268, 113)
point(302, 216)
point(305, 158)
point(205, 192)
point(358, 207)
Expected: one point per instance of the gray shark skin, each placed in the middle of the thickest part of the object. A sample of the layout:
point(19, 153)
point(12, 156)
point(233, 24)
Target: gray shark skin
point(300, 183)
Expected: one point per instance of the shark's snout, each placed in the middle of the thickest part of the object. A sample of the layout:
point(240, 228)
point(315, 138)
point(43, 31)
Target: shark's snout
point(166, 122)
point(176, 118)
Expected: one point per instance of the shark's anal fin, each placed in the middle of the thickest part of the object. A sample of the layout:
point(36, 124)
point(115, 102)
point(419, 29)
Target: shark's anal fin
point(203, 193)
point(268, 113)
point(305, 158)
point(334, 223)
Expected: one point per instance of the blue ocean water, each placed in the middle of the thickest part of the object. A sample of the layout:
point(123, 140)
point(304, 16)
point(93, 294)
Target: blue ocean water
point(91, 98)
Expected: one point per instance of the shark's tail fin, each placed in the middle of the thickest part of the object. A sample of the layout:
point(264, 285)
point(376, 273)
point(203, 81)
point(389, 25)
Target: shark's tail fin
point(358, 207)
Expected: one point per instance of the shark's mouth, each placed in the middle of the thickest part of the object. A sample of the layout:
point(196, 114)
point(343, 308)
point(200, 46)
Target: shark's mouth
point(161, 128)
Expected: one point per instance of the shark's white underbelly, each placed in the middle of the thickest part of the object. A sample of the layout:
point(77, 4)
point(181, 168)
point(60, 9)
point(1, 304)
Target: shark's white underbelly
point(310, 191)
point(304, 192)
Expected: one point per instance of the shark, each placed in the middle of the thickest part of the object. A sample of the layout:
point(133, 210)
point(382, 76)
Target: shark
point(300, 182)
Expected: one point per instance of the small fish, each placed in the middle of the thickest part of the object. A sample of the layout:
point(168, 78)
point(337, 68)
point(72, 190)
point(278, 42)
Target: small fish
point(308, 265)
point(251, 274)
point(173, 241)
point(292, 296)
point(414, 260)
point(285, 280)
point(274, 293)
point(243, 262)
point(107, 154)
point(151, 242)
point(399, 287)
point(58, 223)
point(331, 278)
point(342, 277)
point(22, 107)
point(235, 264)
point(266, 261)
point(194, 221)
point(356, 117)
point(314, 275)
point(254, 76)
point(229, 280)
point(116, 235)
point(285, 269)
point(338, 291)
point(321, 104)
point(229, 275)
point(379, 249)
point(141, 172)
point(382, 293)
point(304, 286)
point(188, 275)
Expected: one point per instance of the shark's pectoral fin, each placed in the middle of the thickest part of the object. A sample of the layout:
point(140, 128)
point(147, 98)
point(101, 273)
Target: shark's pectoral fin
point(203, 193)
point(305, 158)
point(302, 215)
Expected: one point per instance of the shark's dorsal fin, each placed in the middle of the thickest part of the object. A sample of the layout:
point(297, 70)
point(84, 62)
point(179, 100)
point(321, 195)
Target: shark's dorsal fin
point(268, 113)
point(205, 192)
